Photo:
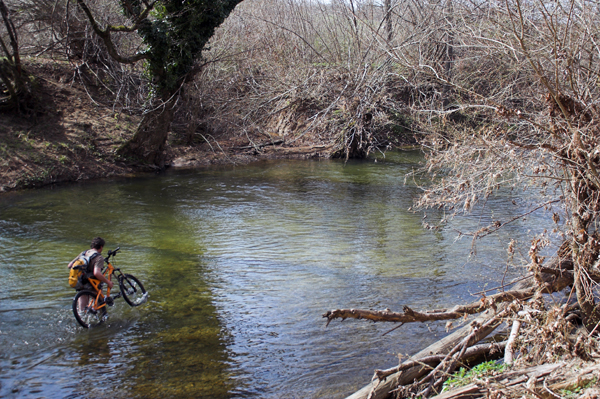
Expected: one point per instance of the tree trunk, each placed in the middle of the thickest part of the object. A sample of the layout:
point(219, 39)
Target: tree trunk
point(148, 143)
point(387, 4)
point(12, 76)
point(585, 253)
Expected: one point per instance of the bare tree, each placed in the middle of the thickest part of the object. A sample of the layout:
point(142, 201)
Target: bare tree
point(310, 73)
point(519, 109)
point(12, 75)
point(526, 76)
point(174, 39)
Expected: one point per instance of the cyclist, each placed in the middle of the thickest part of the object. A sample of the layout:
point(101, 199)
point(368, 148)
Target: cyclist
point(94, 270)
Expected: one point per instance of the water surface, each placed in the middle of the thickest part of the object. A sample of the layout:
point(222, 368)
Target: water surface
point(240, 263)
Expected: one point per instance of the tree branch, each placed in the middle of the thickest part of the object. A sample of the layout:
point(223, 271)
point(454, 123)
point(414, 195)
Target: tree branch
point(104, 34)
point(473, 351)
point(555, 283)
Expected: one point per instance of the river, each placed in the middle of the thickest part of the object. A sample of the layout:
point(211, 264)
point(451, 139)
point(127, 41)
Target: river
point(240, 263)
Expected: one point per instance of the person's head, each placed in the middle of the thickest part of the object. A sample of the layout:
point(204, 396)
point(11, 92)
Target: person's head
point(97, 243)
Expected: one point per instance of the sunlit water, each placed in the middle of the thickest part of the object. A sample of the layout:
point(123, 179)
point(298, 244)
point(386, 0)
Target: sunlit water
point(240, 263)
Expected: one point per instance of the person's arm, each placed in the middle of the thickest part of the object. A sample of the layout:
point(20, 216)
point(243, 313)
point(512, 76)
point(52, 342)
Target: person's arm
point(98, 272)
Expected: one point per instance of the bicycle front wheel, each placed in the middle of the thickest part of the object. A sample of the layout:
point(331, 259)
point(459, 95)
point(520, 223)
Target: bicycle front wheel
point(84, 310)
point(132, 289)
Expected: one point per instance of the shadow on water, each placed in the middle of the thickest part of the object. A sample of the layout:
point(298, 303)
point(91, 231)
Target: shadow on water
point(240, 264)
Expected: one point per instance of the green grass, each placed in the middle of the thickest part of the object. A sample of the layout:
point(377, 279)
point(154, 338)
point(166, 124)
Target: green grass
point(578, 390)
point(465, 376)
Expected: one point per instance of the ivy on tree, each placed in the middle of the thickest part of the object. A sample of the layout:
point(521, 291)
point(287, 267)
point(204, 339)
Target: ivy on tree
point(175, 33)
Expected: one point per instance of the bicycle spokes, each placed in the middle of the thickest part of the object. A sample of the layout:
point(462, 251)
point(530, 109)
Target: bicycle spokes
point(85, 310)
point(133, 291)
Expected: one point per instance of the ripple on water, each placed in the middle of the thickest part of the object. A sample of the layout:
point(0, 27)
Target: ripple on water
point(240, 265)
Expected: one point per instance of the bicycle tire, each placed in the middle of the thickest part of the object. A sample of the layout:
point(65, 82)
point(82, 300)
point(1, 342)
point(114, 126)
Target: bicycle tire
point(132, 289)
point(87, 317)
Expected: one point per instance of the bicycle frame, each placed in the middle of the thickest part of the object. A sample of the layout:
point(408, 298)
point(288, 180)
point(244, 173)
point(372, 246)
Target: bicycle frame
point(108, 272)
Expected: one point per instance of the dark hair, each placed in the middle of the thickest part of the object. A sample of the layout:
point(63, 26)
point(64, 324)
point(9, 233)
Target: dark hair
point(97, 243)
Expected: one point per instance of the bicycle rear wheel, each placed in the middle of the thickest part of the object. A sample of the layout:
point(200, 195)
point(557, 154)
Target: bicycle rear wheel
point(85, 312)
point(132, 289)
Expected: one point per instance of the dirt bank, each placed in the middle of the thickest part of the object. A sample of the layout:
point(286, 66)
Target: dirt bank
point(76, 129)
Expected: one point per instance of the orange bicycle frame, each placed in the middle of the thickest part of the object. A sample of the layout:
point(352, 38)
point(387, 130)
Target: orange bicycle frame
point(108, 272)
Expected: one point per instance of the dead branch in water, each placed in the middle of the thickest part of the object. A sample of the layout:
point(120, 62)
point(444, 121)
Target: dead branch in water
point(409, 315)
point(447, 366)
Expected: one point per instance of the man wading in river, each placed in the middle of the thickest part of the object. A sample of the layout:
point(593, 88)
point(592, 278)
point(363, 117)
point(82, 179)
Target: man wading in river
point(94, 269)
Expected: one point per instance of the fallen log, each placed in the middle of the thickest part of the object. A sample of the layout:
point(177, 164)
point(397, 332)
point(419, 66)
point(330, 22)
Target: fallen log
point(542, 381)
point(506, 383)
point(587, 375)
point(468, 391)
point(438, 375)
point(472, 352)
point(381, 389)
point(258, 146)
point(300, 150)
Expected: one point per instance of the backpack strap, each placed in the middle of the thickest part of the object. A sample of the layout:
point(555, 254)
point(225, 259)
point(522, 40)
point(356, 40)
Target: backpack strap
point(89, 259)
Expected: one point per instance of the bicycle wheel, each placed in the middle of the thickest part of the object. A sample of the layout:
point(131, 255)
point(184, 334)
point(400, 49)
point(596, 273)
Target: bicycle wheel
point(132, 289)
point(85, 313)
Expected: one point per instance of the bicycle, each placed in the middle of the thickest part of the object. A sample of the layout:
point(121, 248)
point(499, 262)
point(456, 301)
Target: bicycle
point(94, 311)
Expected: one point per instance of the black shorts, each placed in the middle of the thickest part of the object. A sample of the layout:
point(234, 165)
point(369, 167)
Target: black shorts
point(84, 284)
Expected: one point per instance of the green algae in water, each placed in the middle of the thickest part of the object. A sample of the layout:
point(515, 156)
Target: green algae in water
point(173, 345)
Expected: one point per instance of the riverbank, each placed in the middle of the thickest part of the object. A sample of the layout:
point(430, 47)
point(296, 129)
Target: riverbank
point(546, 351)
point(76, 130)
point(74, 135)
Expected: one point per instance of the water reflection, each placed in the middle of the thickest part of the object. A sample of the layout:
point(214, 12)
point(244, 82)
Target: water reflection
point(240, 264)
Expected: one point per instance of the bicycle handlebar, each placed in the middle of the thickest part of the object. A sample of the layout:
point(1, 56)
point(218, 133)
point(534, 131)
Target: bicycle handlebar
point(112, 253)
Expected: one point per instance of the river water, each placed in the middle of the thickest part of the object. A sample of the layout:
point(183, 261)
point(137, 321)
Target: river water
point(240, 263)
